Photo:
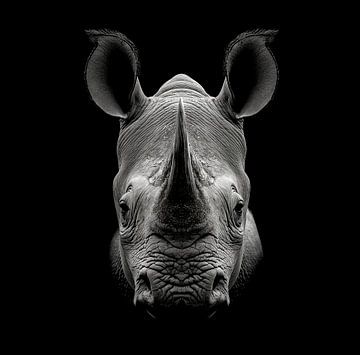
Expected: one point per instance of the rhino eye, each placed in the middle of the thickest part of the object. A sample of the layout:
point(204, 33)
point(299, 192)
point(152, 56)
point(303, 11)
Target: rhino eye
point(124, 209)
point(238, 208)
point(238, 213)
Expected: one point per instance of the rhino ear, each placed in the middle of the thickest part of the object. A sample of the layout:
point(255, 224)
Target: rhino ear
point(111, 73)
point(251, 73)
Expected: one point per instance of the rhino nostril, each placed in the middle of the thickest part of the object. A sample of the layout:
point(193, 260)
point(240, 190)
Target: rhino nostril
point(219, 280)
point(144, 279)
point(219, 295)
point(143, 294)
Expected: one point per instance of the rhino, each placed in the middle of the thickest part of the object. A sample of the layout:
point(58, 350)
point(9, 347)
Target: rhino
point(186, 236)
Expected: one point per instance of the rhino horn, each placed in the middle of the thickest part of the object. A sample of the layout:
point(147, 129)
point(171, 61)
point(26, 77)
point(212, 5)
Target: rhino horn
point(181, 182)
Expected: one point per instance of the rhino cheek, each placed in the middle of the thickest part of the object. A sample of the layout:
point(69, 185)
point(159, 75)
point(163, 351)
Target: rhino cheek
point(230, 257)
point(131, 249)
point(126, 268)
point(230, 247)
point(236, 270)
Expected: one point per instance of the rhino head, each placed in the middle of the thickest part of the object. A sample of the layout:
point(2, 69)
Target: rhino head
point(186, 236)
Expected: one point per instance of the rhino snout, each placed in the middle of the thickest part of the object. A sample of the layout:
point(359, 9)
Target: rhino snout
point(184, 295)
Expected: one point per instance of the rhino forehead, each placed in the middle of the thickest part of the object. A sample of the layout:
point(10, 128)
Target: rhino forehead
point(181, 85)
point(214, 139)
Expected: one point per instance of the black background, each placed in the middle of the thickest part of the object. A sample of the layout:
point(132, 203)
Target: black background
point(78, 294)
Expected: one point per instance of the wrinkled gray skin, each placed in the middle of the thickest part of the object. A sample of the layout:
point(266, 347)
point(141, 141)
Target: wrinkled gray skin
point(181, 194)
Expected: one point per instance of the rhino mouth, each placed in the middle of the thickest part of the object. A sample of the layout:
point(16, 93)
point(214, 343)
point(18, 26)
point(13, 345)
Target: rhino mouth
point(199, 298)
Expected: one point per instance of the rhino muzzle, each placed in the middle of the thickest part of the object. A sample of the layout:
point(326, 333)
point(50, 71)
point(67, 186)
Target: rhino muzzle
point(199, 294)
